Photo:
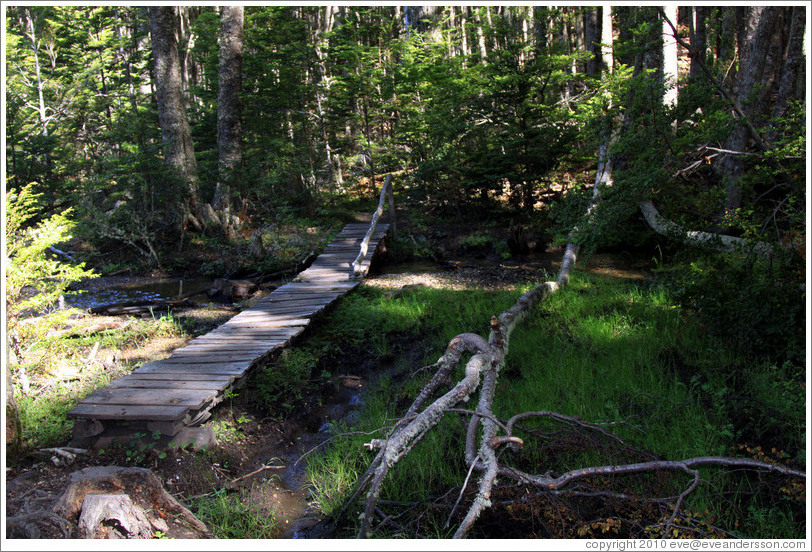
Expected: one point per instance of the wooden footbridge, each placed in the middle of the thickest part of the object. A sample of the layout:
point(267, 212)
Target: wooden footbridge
point(168, 396)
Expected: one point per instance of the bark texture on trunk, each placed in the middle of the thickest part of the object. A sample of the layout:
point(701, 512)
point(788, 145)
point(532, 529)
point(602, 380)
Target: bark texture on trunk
point(229, 107)
point(175, 132)
point(757, 36)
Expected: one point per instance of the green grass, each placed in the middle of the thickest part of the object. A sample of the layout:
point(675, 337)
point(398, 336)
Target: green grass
point(60, 375)
point(231, 517)
point(603, 350)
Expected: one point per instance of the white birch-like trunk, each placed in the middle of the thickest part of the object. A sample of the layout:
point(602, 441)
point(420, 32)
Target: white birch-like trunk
point(669, 57)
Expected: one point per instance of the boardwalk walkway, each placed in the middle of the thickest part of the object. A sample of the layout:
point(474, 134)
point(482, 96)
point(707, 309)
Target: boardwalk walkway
point(171, 395)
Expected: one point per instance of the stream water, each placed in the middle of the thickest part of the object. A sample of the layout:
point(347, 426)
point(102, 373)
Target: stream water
point(102, 292)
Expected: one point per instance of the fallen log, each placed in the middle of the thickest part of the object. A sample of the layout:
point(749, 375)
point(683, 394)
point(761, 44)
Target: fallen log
point(705, 240)
point(82, 331)
point(138, 307)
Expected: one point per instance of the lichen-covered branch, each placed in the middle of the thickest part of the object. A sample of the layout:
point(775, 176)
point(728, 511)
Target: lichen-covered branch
point(706, 240)
point(407, 435)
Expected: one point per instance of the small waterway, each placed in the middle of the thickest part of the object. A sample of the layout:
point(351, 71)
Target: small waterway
point(106, 291)
point(289, 493)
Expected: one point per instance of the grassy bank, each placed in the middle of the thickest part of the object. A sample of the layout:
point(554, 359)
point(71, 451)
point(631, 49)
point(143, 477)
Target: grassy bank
point(604, 350)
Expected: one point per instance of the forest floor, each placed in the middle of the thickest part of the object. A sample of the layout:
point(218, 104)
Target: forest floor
point(258, 455)
point(256, 472)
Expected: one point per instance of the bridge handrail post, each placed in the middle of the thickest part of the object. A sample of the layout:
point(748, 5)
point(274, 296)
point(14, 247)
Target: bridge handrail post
point(386, 191)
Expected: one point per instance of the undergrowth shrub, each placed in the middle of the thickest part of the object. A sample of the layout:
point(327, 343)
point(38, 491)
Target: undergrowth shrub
point(754, 305)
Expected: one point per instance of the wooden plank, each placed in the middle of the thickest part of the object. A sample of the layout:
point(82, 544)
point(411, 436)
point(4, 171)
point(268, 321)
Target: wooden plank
point(305, 301)
point(270, 331)
point(129, 412)
point(214, 348)
point(139, 383)
point(250, 324)
point(194, 399)
point(271, 320)
point(298, 295)
point(339, 273)
point(330, 256)
point(320, 287)
point(257, 337)
point(313, 287)
point(308, 289)
point(236, 368)
point(212, 356)
point(176, 376)
point(262, 333)
point(271, 310)
point(301, 311)
point(255, 334)
point(338, 288)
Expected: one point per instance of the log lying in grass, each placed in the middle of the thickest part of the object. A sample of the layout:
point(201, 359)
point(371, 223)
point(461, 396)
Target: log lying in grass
point(137, 307)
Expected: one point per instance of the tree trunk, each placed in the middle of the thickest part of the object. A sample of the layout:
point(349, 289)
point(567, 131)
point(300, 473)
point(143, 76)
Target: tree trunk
point(592, 37)
point(699, 40)
point(229, 109)
point(726, 43)
point(175, 132)
point(759, 31)
point(704, 240)
point(607, 39)
point(34, 38)
point(793, 62)
point(43, 118)
point(669, 57)
point(483, 51)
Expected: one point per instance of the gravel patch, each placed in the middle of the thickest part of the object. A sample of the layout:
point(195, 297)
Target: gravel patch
point(493, 278)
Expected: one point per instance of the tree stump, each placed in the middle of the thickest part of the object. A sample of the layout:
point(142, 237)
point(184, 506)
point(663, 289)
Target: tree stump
point(129, 503)
point(114, 516)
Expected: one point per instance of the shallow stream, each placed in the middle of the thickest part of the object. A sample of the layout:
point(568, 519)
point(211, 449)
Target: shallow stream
point(102, 292)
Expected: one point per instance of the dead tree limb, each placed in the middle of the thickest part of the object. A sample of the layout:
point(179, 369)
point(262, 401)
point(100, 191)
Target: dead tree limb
point(705, 240)
point(481, 372)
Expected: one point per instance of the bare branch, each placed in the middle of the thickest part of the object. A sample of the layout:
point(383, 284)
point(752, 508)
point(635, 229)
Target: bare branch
point(660, 465)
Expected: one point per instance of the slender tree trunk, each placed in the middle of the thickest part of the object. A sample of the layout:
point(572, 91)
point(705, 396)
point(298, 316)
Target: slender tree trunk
point(670, 68)
point(699, 40)
point(592, 37)
point(541, 22)
point(464, 36)
point(229, 108)
point(607, 39)
point(483, 51)
point(175, 132)
point(726, 43)
point(40, 84)
point(43, 117)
